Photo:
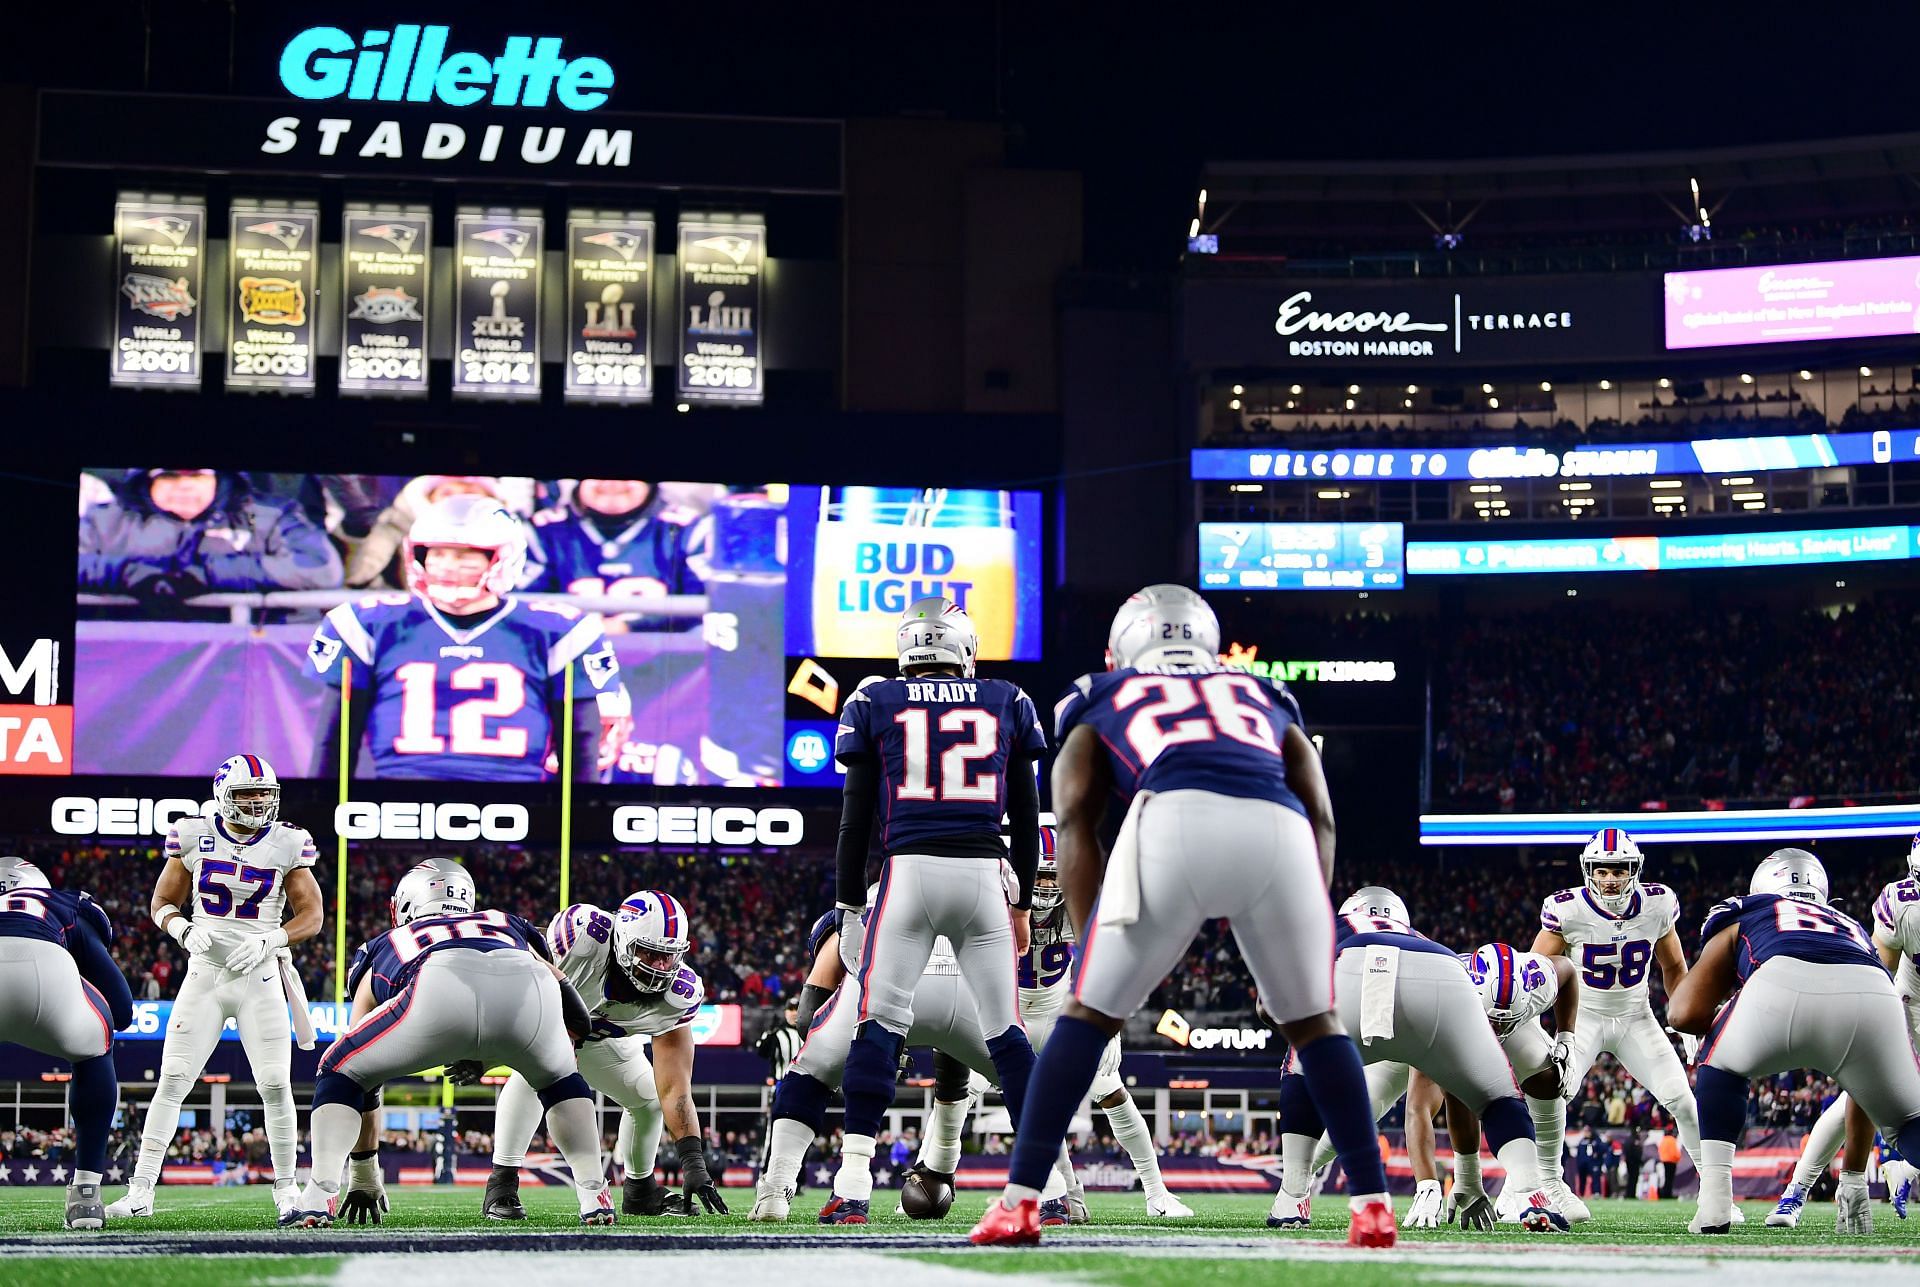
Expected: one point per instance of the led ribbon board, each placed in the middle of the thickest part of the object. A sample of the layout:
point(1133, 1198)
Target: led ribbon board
point(1669, 828)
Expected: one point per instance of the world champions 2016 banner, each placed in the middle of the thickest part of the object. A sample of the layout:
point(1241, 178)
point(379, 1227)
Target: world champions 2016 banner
point(160, 252)
point(496, 304)
point(386, 254)
point(609, 307)
point(273, 252)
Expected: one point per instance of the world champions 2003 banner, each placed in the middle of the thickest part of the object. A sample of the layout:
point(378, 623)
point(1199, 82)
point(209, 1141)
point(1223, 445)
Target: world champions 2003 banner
point(274, 272)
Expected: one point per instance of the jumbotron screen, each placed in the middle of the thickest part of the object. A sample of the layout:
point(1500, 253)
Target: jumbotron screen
point(294, 614)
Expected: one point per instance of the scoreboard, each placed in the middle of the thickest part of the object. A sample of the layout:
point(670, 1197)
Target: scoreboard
point(1302, 556)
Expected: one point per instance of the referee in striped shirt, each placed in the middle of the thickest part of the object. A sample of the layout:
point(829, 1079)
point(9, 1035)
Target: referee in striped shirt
point(778, 1045)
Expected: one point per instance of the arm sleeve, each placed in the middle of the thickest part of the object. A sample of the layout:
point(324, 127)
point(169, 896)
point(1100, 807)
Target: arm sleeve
point(573, 1010)
point(862, 789)
point(97, 967)
point(1023, 821)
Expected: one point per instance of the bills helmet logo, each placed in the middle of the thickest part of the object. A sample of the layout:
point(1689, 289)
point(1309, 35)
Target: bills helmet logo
point(400, 236)
point(163, 297)
point(623, 244)
point(285, 231)
point(384, 305)
point(172, 227)
point(735, 248)
point(510, 239)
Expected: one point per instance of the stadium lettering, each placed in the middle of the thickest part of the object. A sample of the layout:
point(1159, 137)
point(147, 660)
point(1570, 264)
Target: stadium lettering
point(442, 141)
point(1294, 318)
point(40, 668)
point(79, 815)
point(410, 63)
point(406, 820)
point(645, 824)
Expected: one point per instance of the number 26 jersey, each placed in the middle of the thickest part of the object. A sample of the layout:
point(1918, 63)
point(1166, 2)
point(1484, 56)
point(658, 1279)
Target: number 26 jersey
point(1613, 953)
point(1181, 729)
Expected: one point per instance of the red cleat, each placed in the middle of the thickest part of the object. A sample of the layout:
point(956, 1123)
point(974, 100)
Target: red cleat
point(1372, 1226)
point(1016, 1226)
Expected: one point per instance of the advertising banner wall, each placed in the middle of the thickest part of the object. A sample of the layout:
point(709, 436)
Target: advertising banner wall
point(1785, 303)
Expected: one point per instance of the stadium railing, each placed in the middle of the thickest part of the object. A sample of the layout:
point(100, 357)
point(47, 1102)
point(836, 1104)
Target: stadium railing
point(241, 606)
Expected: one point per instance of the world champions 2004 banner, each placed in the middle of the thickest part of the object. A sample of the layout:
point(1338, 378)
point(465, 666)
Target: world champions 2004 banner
point(274, 257)
point(160, 252)
point(385, 256)
point(496, 304)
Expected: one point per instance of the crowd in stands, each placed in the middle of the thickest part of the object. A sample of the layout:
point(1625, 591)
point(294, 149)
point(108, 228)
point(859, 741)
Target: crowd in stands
point(1604, 707)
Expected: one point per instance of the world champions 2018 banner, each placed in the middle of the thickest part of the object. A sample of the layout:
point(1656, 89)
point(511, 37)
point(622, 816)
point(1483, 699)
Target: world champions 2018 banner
point(160, 249)
point(722, 318)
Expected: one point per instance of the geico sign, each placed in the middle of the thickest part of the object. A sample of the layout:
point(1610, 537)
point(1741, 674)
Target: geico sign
point(645, 824)
point(408, 820)
point(113, 815)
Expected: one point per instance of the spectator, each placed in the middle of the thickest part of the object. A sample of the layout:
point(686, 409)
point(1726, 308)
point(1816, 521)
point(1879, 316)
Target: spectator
point(1635, 1159)
point(1669, 1162)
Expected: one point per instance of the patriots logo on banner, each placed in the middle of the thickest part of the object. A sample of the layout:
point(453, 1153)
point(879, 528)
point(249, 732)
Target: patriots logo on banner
point(400, 236)
point(510, 239)
point(172, 227)
point(285, 231)
point(735, 248)
point(623, 244)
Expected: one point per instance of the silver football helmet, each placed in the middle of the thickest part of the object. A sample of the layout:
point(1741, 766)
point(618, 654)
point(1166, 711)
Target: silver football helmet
point(472, 523)
point(436, 887)
point(1163, 625)
point(1612, 848)
point(18, 873)
point(936, 632)
point(1791, 873)
point(1379, 901)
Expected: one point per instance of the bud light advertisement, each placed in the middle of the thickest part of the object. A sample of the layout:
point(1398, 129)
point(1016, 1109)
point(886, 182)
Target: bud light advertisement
point(159, 287)
point(385, 255)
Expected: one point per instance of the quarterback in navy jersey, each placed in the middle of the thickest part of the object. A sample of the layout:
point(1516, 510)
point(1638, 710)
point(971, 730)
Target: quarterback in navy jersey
point(1808, 991)
point(459, 679)
point(62, 995)
point(614, 536)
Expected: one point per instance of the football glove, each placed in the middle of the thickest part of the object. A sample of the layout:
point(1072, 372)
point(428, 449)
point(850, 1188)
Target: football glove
point(197, 939)
point(247, 955)
point(1425, 1211)
point(1475, 1212)
point(696, 1183)
point(1561, 1057)
point(465, 1072)
point(853, 935)
point(1689, 1046)
point(365, 1199)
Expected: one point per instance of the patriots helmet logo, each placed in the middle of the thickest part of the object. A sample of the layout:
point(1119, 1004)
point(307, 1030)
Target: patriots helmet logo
point(172, 227)
point(322, 652)
point(285, 231)
point(400, 236)
point(510, 239)
point(621, 243)
point(735, 248)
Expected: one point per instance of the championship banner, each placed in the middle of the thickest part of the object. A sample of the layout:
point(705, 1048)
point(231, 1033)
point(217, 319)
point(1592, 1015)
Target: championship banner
point(720, 312)
point(385, 256)
point(609, 307)
point(160, 253)
point(496, 304)
point(273, 253)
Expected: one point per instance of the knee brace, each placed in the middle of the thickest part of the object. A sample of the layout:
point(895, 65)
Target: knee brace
point(338, 1088)
point(1722, 1098)
point(572, 1086)
point(950, 1078)
point(1298, 1116)
point(803, 1099)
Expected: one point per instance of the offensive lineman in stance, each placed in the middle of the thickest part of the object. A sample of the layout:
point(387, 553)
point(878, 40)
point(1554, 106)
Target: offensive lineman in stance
point(1228, 816)
point(220, 897)
point(943, 755)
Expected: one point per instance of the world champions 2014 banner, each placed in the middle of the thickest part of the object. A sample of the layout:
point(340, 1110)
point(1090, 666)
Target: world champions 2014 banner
point(609, 307)
point(273, 251)
point(496, 304)
point(722, 318)
point(386, 255)
point(160, 253)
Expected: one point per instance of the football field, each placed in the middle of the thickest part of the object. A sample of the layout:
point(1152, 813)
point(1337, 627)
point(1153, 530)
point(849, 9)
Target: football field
point(437, 1235)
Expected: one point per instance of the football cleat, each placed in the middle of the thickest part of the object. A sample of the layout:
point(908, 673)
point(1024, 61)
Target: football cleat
point(1053, 1213)
point(1712, 1216)
point(1162, 1205)
point(770, 1206)
point(600, 1211)
point(1786, 1213)
point(1852, 1211)
point(85, 1210)
point(1739, 1216)
point(286, 1196)
point(1566, 1203)
point(845, 1211)
point(135, 1204)
point(307, 1219)
point(1540, 1217)
point(1373, 1225)
point(502, 1199)
point(1008, 1226)
point(1289, 1212)
point(1077, 1212)
point(1900, 1175)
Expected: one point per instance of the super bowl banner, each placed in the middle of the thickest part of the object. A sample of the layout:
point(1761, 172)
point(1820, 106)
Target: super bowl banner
point(160, 261)
point(273, 253)
point(496, 304)
point(385, 256)
point(609, 307)
point(721, 312)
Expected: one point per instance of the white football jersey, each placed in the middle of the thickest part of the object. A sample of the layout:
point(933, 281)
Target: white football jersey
point(239, 885)
point(1614, 954)
point(1896, 924)
point(1046, 971)
point(581, 938)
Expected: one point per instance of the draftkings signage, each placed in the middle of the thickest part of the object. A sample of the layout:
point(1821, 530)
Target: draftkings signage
point(385, 255)
point(274, 268)
point(609, 307)
point(160, 253)
point(496, 304)
point(721, 313)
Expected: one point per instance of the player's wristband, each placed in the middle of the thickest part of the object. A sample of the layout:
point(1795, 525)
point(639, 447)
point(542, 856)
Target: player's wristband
point(178, 929)
point(693, 1162)
point(165, 910)
point(363, 1170)
point(849, 907)
point(276, 939)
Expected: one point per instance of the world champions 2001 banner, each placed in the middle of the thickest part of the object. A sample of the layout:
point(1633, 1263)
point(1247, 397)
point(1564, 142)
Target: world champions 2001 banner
point(160, 284)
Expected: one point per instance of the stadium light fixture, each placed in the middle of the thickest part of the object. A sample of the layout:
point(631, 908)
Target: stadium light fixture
point(1413, 389)
point(1546, 386)
point(1233, 404)
point(1749, 496)
point(1493, 403)
point(1296, 390)
point(1193, 226)
point(1605, 385)
point(1665, 383)
point(1349, 404)
point(1576, 487)
point(1867, 371)
point(1806, 374)
point(1745, 378)
point(1486, 388)
point(1736, 482)
point(682, 407)
point(1239, 389)
point(1353, 388)
point(1754, 505)
point(1573, 594)
point(1661, 483)
point(1485, 487)
point(1247, 487)
point(1406, 402)
point(1331, 495)
point(1289, 404)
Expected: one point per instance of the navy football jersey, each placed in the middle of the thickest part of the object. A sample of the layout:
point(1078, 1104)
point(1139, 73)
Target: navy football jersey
point(1170, 730)
point(394, 958)
point(51, 914)
point(473, 704)
point(1382, 931)
point(945, 746)
point(659, 552)
point(1771, 926)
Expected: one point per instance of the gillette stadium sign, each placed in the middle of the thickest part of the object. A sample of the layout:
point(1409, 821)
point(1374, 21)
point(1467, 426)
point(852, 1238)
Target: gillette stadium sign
point(410, 63)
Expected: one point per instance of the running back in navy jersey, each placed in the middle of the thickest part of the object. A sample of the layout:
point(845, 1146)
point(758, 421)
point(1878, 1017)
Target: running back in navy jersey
point(1382, 931)
point(51, 914)
point(1771, 926)
point(1171, 730)
point(945, 746)
point(394, 958)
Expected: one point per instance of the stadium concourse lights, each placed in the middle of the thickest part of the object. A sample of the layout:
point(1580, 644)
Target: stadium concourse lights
point(1353, 388)
point(1736, 482)
point(1296, 390)
point(1754, 505)
point(1239, 389)
point(1605, 385)
point(1665, 383)
point(1486, 388)
point(1333, 495)
point(1349, 404)
point(1413, 388)
point(1805, 374)
point(1745, 378)
point(1576, 487)
point(1546, 386)
point(1663, 484)
point(1233, 404)
point(1493, 404)
point(1247, 487)
point(1867, 372)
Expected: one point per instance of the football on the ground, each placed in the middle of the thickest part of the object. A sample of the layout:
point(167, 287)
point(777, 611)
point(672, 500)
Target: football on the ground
point(926, 1195)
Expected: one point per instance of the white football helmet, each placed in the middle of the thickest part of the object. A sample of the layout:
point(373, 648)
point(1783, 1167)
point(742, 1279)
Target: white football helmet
point(936, 632)
point(1495, 971)
point(1164, 625)
point(1612, 847)
point(1376, 900)
point(1791, 873)
point(18, 873)
point(252, 775)
point(467, 522)
point(1046, 898)
point(650, 939)
point(436, 887)
point(1913, 859)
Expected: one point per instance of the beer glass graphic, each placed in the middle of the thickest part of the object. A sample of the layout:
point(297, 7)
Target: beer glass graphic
point(877, 549)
